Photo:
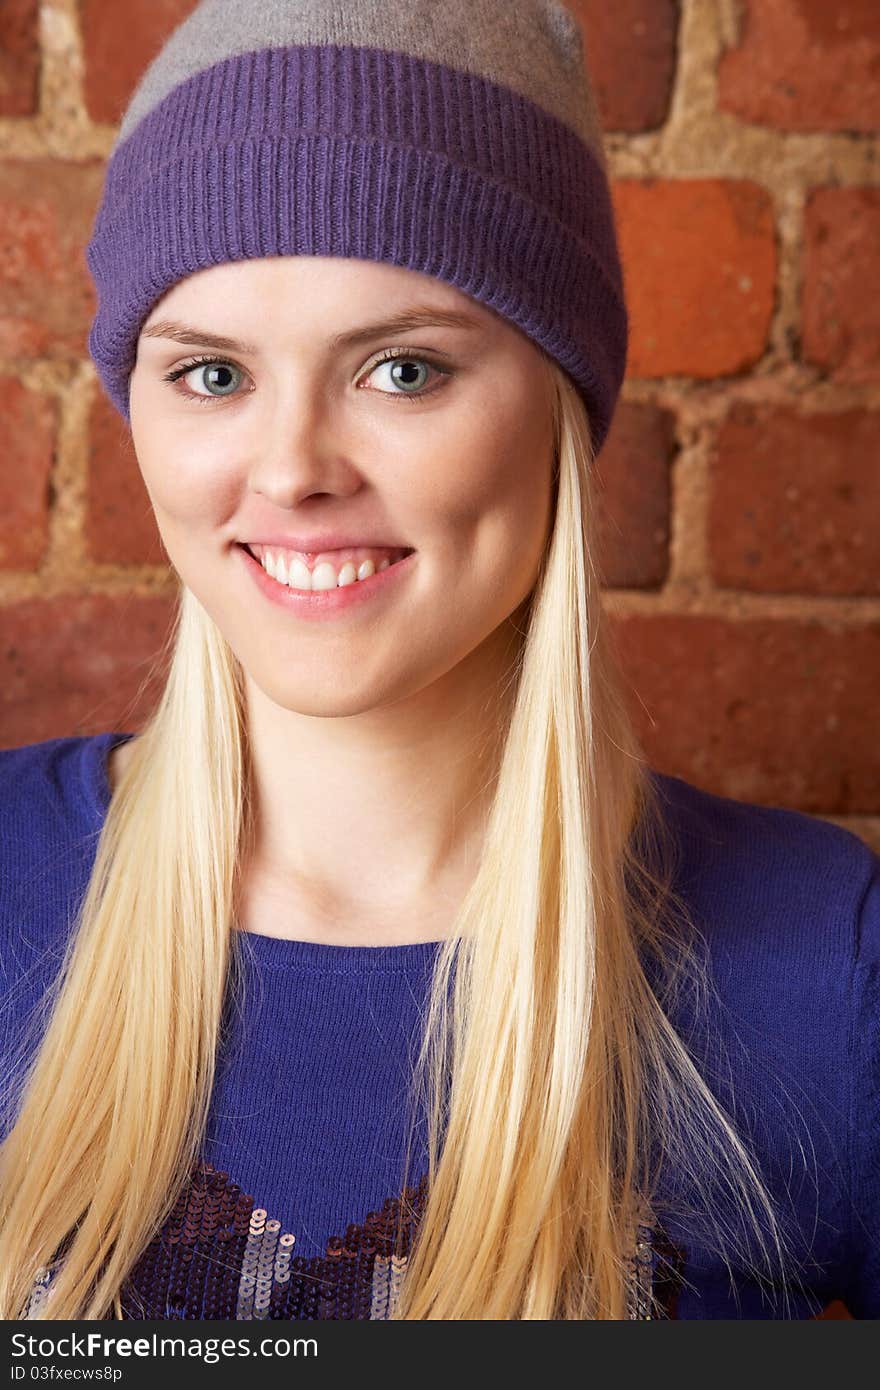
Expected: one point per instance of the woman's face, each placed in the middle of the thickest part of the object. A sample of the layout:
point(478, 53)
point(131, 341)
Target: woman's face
point(446, 450)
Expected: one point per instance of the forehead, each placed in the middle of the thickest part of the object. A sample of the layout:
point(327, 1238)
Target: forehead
point(256, 305)
point(305, 281)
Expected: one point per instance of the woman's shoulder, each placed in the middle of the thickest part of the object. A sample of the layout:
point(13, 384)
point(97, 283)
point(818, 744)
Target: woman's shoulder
point(770, 881)
point(57, 782)
point(788, 906)
point(53, 799)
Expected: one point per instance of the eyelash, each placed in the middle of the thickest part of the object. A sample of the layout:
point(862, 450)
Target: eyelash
point(394, 354)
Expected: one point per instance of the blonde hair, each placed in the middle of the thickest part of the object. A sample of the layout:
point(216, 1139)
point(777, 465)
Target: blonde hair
point(547, 1105)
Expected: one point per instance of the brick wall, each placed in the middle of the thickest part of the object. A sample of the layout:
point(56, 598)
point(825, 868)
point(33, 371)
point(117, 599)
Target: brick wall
point(740, 486)
point(741, 481)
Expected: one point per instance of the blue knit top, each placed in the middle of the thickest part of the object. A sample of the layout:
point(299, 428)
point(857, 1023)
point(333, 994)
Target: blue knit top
point(293, 1207)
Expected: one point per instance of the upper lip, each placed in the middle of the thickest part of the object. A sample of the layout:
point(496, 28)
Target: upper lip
point(313, 545)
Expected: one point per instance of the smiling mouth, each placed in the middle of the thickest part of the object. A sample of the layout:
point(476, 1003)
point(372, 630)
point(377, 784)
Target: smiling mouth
point(291, 570)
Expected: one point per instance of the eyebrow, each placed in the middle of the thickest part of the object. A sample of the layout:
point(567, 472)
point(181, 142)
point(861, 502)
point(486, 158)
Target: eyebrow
point(416, 317)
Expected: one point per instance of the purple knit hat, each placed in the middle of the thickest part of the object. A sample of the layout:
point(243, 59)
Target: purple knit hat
point(458, 140)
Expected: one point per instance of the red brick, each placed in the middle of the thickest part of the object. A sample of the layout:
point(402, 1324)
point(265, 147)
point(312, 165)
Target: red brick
point(632, 477)
point(841, 283)
point(699, 260)
point(119, 42)
point(120, 526)
point(795, 501)
point(46, 295)
point(782, 713)
point(28, 424)
point(75, 665)
point(837, 1309)
point(805, 65)
point(631, 51)
point(19, 58)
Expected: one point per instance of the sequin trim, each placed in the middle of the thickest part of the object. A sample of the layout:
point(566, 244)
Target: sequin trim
point(656, 1272)
point(217, 1257)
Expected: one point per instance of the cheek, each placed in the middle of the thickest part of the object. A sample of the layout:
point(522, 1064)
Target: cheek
point(184, 486)
point(496, 480)
point(189, 481)
point(489, 514)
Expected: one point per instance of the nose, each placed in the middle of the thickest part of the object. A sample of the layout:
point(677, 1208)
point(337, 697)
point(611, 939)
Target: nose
point(298, 446)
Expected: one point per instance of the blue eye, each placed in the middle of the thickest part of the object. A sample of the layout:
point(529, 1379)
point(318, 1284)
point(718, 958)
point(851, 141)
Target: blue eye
point(220, 367)
point(407, 371)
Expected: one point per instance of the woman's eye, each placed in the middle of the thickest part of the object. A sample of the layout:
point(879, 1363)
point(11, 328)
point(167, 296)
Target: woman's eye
point(406, 375)
point(218, 376)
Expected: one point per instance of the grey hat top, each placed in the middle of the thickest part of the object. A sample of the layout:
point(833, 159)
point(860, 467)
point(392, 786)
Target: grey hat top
point(458, 140)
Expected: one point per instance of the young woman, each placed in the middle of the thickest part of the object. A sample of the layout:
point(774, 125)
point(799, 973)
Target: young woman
point(378, 976)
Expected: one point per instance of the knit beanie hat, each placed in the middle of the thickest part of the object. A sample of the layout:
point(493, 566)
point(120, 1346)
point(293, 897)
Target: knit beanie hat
point(457, 138)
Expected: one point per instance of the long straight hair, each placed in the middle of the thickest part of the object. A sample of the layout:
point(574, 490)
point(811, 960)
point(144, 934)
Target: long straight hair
point(550, 1073)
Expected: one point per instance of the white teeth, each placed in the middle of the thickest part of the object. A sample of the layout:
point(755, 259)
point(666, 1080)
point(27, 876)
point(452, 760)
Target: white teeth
point(324, 576)
point(299, 576)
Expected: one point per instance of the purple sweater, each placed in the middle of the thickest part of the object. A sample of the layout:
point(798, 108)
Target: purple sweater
point(290, 1211)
